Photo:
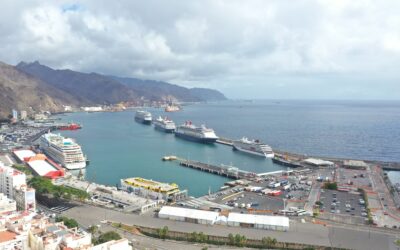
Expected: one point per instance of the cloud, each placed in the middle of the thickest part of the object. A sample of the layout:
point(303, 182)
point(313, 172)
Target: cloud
point(271, 47)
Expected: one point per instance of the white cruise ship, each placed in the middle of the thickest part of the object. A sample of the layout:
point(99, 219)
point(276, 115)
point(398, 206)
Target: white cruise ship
point(190, 132)
point(164, 125)
point(254, 147)
point(143, 117)
point(64, 151)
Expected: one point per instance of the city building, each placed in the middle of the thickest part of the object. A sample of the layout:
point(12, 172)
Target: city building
point(15, 115)
point(153, 189)
point(355, 164)
point(39, 117)
point(24, 114)
point(92, 109)
point(6, 204)
point(10, 179)
point(23, 155)
point(43, 166)
point(122, 244)
point(25, 198)
point(318, 162)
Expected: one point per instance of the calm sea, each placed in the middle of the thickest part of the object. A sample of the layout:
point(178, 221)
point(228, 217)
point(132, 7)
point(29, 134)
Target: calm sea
point(118, 147)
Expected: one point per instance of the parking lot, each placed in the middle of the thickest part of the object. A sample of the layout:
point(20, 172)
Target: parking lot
point(353, 177)
point(342, 203)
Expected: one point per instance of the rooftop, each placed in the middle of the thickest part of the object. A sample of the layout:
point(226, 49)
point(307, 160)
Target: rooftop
point(7, 236)
point(150, 184)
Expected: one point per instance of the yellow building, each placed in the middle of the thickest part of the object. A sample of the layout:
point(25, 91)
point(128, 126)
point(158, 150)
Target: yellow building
point(155, 189)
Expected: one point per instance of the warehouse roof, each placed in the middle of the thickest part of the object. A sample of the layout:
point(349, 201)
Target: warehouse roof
point(259, 219)
point(318, 162)
point(24, 154)
point(188, 213)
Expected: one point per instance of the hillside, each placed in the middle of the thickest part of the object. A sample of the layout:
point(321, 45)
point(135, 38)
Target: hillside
point(157, 90)
point(207, 94)
point(93, 88)
point(21, 91)
point(88, 88)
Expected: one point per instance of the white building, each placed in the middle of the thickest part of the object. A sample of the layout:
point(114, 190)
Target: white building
point(23, 155)
point(188, 215)
point(25, 198)
point(279, 223)
point(92, 109)
point(24, 114)
point(10, 179)
point(6, 204)
point(122, 244)
point(15, 114)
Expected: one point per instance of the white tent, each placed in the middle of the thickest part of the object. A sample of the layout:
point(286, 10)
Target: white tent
point(279, 223)
point(189, 215)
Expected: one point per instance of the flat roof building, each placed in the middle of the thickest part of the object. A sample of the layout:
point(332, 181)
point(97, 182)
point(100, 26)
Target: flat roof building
point(24, 154)
point(355, 164)
point(188, 215)
point(318, 162)
point(42, 166)
point(279, 223)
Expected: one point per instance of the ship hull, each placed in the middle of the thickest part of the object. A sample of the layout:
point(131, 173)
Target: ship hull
point(143, 121)
point(196, 139)
point(261, 154)
point(73, 166)
point(166, 130)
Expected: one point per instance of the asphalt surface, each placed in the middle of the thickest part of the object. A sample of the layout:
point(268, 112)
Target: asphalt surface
point(309, 233)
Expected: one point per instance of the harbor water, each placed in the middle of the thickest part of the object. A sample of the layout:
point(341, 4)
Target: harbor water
point(118, 147)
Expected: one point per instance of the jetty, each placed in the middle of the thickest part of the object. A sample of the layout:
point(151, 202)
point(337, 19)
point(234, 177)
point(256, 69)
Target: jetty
point(222, 170)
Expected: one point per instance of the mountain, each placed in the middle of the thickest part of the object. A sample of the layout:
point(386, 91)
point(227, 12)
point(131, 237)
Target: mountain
point(21, 91)
point(93, 88)
point(88, 88)
point(207, 94)
point(158, 90)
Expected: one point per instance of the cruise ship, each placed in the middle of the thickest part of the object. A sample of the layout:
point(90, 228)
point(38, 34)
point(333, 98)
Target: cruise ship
point(143, 117)
point(64, 151)
point(190, 132)
point(164, 125)
point(254, 147)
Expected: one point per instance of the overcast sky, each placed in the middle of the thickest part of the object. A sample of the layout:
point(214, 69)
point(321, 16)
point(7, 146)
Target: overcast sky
point(337, 49)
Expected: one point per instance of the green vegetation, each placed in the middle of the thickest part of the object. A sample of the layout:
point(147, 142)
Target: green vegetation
point(45, 186)
point(162, 232)
point(268, 242)
point(330, 185)
point(198, 237)
point(70, 223)
point(237, 240)
point(104, 237)
point(93, 229)
point(397, 242)
point(22, 168)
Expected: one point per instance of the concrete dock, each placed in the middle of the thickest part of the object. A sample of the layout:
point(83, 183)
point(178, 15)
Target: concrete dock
point(227, 171)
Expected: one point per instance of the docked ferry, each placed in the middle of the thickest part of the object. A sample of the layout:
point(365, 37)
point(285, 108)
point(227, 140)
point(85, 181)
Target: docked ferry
point(190, 132)
point(64, 151)
point(254, 147)
point(164, 125)
point(143, 117)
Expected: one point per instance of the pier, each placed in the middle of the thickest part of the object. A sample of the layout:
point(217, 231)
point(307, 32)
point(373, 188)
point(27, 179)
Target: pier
point(222, 170)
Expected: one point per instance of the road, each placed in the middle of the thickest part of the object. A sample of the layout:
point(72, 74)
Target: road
point(308, 233)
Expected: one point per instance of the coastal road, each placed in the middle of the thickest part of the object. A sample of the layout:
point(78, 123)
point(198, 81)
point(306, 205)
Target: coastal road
point(308, 233)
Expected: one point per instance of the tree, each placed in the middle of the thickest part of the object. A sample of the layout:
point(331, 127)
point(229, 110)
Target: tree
point(231, 239)
point(92, 229)
point(330, 185)
point(70, 223)
point(268, 241)
point(163, 232)
point(105, 237)
point(240, 240)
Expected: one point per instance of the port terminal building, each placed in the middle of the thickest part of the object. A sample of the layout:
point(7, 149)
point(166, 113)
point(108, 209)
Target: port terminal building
point(277, 223)
point(153, 189)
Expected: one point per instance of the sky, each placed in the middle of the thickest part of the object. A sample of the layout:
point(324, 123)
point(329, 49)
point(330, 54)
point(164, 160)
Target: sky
point(268, 49)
